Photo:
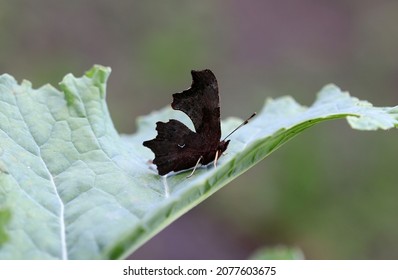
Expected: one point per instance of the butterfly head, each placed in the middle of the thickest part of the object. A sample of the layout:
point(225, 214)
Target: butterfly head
point(222, 146)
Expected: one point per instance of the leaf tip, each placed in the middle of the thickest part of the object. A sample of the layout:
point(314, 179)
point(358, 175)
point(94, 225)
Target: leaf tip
point(99, 72)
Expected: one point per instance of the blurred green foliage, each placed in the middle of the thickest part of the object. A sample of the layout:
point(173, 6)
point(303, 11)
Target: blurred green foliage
point(335, 202)
point(278, 253)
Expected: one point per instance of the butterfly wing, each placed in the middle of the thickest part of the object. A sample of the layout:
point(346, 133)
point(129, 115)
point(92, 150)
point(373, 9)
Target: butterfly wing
point(202, 105)
point(176, 147)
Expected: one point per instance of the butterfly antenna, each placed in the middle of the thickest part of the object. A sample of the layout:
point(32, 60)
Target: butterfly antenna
point(242, 124)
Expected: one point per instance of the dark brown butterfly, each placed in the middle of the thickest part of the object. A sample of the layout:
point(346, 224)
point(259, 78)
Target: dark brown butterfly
point(176, 147)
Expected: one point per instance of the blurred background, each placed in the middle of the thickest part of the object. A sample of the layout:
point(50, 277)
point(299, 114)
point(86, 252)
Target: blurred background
point(331, 192)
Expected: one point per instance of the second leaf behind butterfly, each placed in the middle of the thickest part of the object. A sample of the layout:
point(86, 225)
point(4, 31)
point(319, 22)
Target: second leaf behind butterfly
point(176, 147)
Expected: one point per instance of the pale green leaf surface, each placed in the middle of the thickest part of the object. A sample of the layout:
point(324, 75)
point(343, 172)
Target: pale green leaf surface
point(76, 189)
point(4, 219)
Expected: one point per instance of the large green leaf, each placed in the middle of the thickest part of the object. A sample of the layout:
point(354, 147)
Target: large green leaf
point(76, 189)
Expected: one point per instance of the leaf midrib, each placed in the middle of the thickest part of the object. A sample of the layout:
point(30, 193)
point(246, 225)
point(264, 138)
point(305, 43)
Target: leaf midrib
point(64, 252)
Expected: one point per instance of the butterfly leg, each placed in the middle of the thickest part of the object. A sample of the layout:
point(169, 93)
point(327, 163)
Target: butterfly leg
point(216, 158)
point(196, 165)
